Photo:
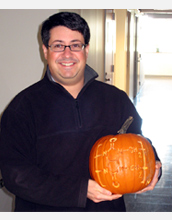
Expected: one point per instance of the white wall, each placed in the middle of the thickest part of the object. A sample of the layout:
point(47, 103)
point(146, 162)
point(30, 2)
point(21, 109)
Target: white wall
point(155, 35)
point(157, 64)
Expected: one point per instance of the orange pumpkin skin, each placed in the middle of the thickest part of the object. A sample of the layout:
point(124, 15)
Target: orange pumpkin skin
point(123, 163)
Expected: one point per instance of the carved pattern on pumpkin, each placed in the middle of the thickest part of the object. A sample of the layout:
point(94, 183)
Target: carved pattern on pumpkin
point(109, 161)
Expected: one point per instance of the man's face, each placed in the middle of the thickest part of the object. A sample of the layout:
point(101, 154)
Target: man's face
point(67, 67)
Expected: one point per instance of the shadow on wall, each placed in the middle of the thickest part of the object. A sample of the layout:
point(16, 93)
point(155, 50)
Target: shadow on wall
point(41, 51)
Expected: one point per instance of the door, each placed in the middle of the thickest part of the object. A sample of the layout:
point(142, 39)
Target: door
point(110, 45)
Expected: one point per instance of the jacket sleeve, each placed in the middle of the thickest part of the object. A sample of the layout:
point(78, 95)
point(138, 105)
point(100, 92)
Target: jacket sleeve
point(21, 174)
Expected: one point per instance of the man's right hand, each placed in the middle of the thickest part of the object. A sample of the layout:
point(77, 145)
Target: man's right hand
point(98, 194)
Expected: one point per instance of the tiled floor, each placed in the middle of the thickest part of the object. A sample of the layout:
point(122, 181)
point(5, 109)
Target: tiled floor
point(155, 107)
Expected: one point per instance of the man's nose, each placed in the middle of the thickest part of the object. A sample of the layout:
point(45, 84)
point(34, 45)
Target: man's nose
point(67, 51)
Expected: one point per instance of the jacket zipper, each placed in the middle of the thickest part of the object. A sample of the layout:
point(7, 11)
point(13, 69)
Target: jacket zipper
point(78, 113)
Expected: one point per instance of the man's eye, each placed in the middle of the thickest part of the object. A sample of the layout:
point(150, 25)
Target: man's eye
point(57, 45)
point(76, 45)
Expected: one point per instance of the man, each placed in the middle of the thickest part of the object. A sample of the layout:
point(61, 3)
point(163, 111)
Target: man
point(48, 130)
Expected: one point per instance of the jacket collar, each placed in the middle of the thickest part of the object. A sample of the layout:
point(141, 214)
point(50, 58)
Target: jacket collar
point(89, 74)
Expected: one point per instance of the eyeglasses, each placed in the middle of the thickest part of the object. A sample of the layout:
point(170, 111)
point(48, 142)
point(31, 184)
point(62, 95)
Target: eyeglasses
point(73, 47)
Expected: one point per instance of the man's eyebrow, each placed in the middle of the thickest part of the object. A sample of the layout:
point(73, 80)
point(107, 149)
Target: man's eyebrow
point(76, 40)
point(61, 41)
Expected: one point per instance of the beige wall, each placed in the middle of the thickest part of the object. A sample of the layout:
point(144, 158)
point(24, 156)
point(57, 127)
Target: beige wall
point(125, 50)
point(121, 49)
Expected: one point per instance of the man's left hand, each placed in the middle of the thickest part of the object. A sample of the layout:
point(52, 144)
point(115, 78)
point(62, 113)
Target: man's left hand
point(152, 185)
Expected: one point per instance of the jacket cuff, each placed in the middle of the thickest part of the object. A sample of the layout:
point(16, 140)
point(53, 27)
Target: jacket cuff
point(83, 193)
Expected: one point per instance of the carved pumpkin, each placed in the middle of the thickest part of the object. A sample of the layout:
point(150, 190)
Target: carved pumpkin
point(124, 163)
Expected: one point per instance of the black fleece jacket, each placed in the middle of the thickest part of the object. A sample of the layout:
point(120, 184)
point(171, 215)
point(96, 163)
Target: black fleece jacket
point(46, 138)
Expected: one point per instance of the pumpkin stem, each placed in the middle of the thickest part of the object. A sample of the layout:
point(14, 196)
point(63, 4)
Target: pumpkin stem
point(126, 125)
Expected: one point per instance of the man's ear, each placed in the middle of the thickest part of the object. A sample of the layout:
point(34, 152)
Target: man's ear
point(87, 50)
point(45, 51)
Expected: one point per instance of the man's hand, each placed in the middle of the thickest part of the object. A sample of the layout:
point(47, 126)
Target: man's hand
point(98, 194)
point(152, 185)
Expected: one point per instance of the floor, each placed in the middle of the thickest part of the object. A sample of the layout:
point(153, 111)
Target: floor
point(155, 107)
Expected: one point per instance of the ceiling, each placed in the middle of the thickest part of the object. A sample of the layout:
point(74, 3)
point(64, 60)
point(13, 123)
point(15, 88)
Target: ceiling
point(157, 13)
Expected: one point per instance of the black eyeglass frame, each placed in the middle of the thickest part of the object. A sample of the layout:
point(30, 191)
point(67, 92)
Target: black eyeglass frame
point(74, 50)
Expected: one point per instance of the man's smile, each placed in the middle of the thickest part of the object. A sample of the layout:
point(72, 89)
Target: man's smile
point(67, 64)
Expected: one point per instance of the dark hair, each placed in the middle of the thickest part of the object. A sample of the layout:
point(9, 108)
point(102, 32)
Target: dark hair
point(70, 20)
